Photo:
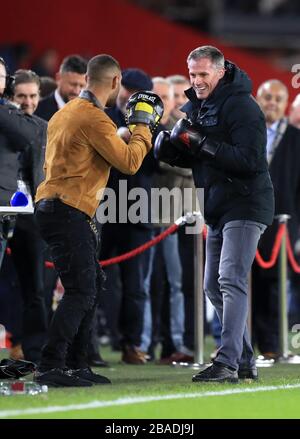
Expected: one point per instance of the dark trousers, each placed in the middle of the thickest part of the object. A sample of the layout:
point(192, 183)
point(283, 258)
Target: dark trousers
point(11, 303)
point(186, 251)
point(265, 307)
point(160, 306)
point(73, 245)
point(28, 256)
point(122, 238)
point(7, 225)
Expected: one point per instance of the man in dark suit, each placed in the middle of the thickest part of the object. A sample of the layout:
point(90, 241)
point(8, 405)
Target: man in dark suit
point(26, 244)
point(283, 153)
point(70, 81)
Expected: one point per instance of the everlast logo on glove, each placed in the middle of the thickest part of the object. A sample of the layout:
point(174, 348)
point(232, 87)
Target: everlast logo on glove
point(147, 97)
point(146, 108)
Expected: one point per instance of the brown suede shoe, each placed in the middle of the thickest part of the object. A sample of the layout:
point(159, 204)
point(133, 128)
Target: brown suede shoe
point(132, 355)
point(176, 357)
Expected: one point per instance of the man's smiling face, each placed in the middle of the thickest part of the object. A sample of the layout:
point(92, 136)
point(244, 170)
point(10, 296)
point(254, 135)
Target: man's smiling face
point(204, 76)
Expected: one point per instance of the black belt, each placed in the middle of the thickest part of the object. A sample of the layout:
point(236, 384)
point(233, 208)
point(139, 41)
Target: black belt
point(47, 204)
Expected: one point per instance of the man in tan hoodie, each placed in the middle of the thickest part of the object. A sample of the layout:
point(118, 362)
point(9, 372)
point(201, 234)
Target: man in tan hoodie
point(82, 146)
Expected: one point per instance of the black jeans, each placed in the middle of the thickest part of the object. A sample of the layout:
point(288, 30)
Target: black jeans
point(73, 244)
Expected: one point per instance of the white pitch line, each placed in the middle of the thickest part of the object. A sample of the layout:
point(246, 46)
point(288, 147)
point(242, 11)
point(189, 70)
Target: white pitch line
point(142, 399)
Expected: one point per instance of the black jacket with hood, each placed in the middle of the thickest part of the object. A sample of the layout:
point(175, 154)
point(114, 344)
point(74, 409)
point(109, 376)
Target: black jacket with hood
point(236, 181)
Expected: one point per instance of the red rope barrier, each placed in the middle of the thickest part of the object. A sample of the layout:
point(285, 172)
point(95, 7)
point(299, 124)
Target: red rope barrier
point(264, 264)
point(275, 251)
point(141, 248)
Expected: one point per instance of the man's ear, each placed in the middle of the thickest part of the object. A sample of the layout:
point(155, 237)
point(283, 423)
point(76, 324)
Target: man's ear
point(221, 73)
point(57, 77)
point(115, 82)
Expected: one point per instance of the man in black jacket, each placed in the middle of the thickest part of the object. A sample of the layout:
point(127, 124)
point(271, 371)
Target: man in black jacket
point(17, 132)
point(70, 81)
point(224, 141)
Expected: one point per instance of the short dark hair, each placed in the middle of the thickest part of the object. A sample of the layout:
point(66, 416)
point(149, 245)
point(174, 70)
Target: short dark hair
point(8, 80)
point(48, 85)
point(99, 65)
point(210, 52)
point(74, 64)
point(23, 76)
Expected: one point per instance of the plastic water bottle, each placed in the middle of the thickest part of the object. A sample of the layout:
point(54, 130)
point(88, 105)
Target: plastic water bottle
point(22, 197)
point(20, 387)
point(23, 186)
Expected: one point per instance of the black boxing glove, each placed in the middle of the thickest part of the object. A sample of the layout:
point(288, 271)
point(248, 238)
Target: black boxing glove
point(164, 150)
point(187, 138)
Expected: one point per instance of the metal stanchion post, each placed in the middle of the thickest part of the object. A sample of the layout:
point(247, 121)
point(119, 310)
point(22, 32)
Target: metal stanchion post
point(198, 299)
point(285, 356)
point(283, 311)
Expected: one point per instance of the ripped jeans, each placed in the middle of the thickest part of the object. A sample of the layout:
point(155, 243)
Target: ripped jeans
point(72, 241)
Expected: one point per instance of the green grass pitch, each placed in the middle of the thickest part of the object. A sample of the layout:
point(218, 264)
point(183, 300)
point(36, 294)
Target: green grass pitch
point(163, 392)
